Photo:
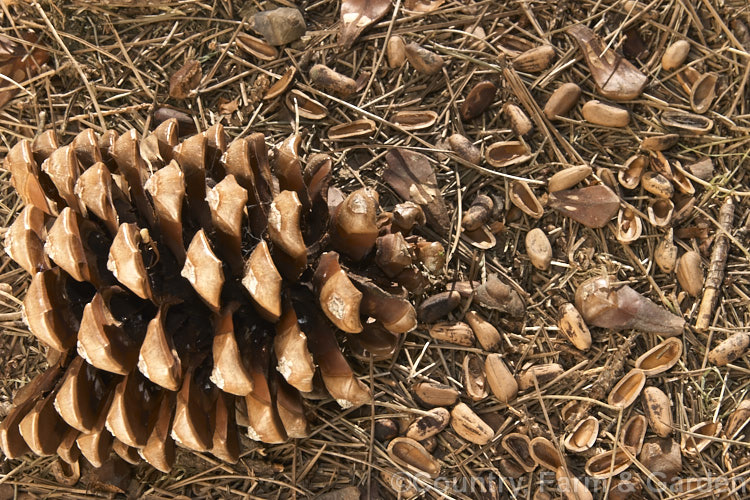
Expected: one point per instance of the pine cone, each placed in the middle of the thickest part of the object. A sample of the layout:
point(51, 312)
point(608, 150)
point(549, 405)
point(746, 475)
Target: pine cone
point(190, 289)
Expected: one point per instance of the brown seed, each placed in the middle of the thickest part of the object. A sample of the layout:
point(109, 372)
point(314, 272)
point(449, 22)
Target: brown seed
point(681, 181)
point(411, 455)
point(606, 115)
point(574, 327)
point(563, 99)
point(423, 60)
point(506, 153)
point(458, 333)
point(730, 349)
point(693, 446)
point(463, 147)
point(662, 458)
point(431, 394)
point(535, 60)
point(519, 122)
point(356, 128)
point(332, 81)
point(487, 335)
point(426, 426)
point(541, 374)
point(475, 381)
point(396, 51)
point(607, 464)
point(687, 122)
point(546, 454)
point(658, 412)
point(665, 253)
point(305, 106)
point(519, 447)
point(630, 176)
point(627, 390)
point(633, 433)
point(675, 55)
point(538, 249)
point(660, 142)
point(660, 358)
point(568, 178)
point(435, 307)
point(469, 426)
point(524, 198)
point(479, 213)
point(414, 120)
point(185, 79)
point(501, 380)
point(479, 98)
point(689, 273)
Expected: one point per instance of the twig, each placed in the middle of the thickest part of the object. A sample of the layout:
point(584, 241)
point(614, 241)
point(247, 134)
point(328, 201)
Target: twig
point(716, 268)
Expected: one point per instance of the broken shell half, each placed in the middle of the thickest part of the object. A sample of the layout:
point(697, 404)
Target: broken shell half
point(410, 454)
point(629, 226)
point(703, 92)
point(608, 464)
point(524, 198)
point(656, 407)
point(281, 85)
point(633, 433)
point(356, 128)
point(694, 445)
point(660, 211)
point(687, 122)
point(627, 390)
point(475, 381)
point(583, 436)
point(414, 120)
point(506, 153)
point(630, 176)
point(519, 447)
point(660, 358)
point(545, 453)
point(306, 106)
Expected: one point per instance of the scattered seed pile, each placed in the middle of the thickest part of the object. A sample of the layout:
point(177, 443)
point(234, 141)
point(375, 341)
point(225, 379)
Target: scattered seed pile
point(520, 266)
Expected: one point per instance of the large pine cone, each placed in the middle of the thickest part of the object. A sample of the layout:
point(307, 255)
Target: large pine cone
point(190, 287)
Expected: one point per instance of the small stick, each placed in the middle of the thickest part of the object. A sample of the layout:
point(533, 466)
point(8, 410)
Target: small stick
point(716, 268)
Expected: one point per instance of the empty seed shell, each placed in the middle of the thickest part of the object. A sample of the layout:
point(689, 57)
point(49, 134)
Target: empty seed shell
point(703, 92)
point(519, 122)
point(657, 410)
point(545, 453)
point(432, 394)
point(324, 77)
point(660, 358)
point(423, 60)
point(356, 128)
point(506, 153)
point(675, 55)
point(730, 349)
point(256, 47)
point(411, 455)
point(606, 115)
point(426, 426)
point(487, 335)
point(694, 445)
point(543, 374)
point(657, 184)
point(458, 333)
point(568, 178)
point(479, 98)
point(608, 464)
point(281, 85)
point(519, 447)
point(687, 122)
point(633, 433)
point(630, 176)
point(538, 249)
point(469, 426)
point(660, 212)
point(573, 327)
point(524, 198)
point(396, 51)
point(689, 273)
point(475, 381)
point(681, 181)
point(305, 106)
point(535, 60)
point(627, 390)
point(563, 99)
point(500, 379)
point(414, 120)
point(629, 226)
